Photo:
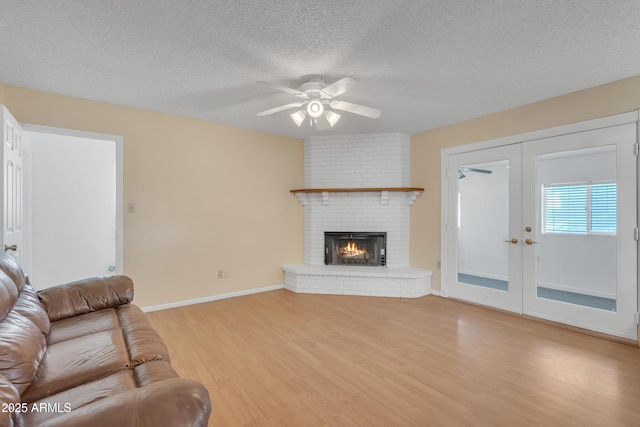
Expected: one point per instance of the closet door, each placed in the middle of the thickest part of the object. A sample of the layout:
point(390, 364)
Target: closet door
point(579, 213)
point(484, 228)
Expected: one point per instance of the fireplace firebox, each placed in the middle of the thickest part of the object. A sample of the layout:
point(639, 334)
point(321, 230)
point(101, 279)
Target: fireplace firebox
point(355, 249)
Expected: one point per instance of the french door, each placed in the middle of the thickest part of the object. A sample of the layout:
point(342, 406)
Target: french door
point(484, 227)
point(547, 228)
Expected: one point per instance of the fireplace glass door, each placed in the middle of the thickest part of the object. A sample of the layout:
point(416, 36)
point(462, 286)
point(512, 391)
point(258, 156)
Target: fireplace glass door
point(356, 249)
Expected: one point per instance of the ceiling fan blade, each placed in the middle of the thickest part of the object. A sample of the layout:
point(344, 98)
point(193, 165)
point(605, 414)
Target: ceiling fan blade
point(283, 88)
point(338, 87)
point(280, 108)
point(356, 109)
point(467, 169)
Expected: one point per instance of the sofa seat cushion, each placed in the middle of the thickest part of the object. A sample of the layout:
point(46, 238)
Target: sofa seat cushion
point(84, 324)
point(88, 397)
point(173, 402)
point(76, 361)
point(77, 397)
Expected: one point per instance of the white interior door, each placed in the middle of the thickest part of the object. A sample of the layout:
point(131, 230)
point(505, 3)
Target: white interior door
point(12, 174)
point(484, 227)
point(580, 255)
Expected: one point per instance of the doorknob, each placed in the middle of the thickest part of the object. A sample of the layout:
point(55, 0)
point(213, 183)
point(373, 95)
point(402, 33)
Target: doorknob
point(530, 242)
point(10, 248)
point(513, 241)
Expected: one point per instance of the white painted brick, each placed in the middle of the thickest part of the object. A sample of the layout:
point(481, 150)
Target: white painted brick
point(357, 161)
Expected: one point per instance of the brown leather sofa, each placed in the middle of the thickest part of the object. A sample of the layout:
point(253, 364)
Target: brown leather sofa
point(82, 355)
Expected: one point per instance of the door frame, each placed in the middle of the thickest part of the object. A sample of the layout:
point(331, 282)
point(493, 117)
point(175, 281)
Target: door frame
point(618, 119)
point(119, 140)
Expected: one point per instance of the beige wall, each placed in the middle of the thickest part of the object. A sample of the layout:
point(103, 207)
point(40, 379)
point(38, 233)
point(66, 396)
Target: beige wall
point(613, 98)
point(211, 197)
point(208, 197)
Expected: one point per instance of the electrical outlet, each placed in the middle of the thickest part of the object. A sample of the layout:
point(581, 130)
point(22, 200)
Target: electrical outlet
point(131, 208)
point(223, 274)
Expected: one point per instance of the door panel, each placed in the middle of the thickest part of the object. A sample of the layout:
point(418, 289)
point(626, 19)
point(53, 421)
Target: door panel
point(484, 227)
point(580, 202)
point(12, 187)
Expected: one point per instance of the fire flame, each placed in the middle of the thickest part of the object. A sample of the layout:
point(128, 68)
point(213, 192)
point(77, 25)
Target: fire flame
point(351, 249)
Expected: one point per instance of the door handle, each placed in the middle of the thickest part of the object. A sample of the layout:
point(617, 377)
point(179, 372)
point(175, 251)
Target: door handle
point(10, 248)
point(512, 241)
point(530, 242)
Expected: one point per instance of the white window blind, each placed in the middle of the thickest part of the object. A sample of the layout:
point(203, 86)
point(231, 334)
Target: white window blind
point(583, 208)
point(603, 208)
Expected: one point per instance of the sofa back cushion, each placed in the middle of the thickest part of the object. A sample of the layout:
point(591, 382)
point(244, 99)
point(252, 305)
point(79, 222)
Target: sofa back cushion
point(30, 307)
point(10, 267)
point(22, 346)
point(8, 295)
point(85, 296)
point(23, 326)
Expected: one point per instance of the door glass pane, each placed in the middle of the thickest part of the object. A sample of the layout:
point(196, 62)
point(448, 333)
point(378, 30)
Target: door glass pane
point(483, 224)
point(576, 232)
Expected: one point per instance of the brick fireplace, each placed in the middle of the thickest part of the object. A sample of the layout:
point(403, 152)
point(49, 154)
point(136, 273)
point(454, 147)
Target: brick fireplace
point(357, 185)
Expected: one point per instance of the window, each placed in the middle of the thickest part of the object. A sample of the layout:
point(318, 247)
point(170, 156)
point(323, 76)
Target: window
point(584, 208)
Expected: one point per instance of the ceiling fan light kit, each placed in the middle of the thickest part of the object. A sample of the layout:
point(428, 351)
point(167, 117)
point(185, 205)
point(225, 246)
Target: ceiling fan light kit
point(315, 108)
point(332, 118)
point(298, 117)
point(316, 99)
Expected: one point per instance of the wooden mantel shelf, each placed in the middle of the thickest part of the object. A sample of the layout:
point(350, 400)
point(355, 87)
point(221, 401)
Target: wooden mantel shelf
point(303, 194)
point(354, 190)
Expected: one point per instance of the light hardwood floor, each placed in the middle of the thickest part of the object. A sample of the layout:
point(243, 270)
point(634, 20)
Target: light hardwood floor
point(285, 359)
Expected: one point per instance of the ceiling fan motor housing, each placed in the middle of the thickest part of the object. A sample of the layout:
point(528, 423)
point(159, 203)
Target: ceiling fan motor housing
point(313, 89)
point(312, 86)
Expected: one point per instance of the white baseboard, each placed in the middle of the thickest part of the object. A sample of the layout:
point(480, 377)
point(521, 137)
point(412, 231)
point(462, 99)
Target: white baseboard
point(211, 298)
point(434, 292)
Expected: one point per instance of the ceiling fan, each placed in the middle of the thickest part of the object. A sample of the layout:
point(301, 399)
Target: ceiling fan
point(463, 169)
point(317, 102)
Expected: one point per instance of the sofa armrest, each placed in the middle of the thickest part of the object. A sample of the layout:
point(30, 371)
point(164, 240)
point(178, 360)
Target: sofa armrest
point(172, 403)
point(85, 296)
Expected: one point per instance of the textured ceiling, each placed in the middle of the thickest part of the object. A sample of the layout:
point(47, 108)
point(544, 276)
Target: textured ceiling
point(424, 63)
